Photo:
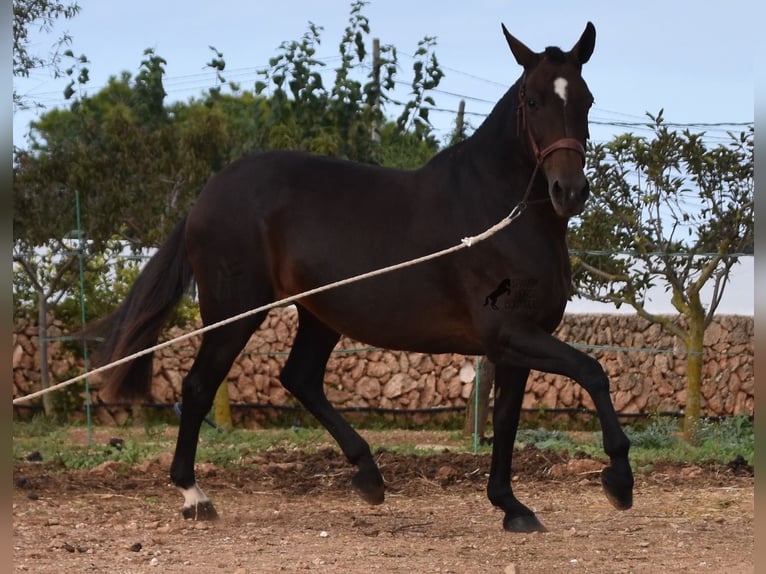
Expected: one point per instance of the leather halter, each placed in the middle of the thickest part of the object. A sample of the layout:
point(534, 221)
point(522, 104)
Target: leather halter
point(521, 121)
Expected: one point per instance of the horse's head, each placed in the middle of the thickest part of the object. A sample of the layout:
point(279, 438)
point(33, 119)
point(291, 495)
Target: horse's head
point(552, 116)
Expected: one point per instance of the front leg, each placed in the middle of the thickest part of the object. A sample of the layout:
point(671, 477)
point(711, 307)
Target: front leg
point(532, 347)
point(509, 393)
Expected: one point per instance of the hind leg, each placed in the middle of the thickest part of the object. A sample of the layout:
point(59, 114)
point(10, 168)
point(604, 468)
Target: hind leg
point(219, 349)
point(232, 276)
point(303, 376)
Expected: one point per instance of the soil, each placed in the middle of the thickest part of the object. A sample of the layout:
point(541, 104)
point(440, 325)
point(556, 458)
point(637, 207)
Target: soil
point(294, 511)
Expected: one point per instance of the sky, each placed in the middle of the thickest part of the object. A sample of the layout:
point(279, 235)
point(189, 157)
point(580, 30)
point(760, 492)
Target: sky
point(695, 60)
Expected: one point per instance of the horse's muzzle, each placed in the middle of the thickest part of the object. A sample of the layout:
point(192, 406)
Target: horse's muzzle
point(568, 196)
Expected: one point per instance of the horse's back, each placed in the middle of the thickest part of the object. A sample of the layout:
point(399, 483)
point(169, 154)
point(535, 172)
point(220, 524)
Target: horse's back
point(300, 221)
point(276, 177)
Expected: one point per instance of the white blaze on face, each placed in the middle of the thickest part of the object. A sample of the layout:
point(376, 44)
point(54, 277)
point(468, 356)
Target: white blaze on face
point(560, 87)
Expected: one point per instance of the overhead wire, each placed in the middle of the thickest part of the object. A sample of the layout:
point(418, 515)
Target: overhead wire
point(185, 83)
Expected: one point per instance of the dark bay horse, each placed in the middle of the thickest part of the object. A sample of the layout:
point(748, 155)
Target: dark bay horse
point(276, 224)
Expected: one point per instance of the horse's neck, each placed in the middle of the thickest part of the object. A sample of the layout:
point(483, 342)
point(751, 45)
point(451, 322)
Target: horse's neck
point(502, 168)
point(498, 145)
point(506, 176)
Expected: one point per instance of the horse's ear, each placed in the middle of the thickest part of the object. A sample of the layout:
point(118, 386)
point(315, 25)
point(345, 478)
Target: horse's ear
point(583, 50)
point(525, 57)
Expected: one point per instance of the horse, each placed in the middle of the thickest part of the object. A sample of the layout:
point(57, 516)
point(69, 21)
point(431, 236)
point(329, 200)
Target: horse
point(275, 224)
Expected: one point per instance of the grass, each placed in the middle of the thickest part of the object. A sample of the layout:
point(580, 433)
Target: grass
point(228, 449)
point(55, 444)
point(66, 446)
point(659, 440)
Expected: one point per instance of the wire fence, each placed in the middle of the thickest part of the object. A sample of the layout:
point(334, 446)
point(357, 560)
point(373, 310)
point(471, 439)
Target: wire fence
point(454, 411)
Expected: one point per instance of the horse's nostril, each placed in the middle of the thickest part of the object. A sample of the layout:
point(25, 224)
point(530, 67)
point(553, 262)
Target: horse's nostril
point(575, 195)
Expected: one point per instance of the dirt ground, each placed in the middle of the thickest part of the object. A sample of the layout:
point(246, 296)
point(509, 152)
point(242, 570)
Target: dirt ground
point(293, 511)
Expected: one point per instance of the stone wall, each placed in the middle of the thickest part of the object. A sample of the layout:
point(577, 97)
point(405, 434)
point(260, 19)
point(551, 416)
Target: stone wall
point(646, 379)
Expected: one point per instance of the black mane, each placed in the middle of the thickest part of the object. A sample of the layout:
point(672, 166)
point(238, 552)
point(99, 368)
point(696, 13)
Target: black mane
point(555, 54)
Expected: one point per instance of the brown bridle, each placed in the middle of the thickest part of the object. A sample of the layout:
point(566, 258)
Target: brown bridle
point(521, 122)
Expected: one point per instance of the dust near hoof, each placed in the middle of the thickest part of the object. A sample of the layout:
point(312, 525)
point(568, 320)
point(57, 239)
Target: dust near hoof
point(525, 523)
point(201, 511)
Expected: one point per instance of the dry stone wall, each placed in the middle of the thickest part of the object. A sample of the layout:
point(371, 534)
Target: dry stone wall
point(646, 379)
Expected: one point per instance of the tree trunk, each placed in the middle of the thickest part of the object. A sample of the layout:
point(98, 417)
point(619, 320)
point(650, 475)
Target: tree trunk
point(694, 361)
point(222, 408)
point(484, 382)
point(42, 334)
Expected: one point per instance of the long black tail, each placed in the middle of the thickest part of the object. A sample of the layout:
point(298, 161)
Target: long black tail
point(137, 323)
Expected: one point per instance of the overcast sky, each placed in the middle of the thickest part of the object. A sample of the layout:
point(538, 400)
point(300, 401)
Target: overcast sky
point(694, 59)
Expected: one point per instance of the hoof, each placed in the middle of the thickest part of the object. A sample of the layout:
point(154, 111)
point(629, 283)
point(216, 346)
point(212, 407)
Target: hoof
point(370, 488)
point(200, 511)
point(618, 488)
point(523, 523)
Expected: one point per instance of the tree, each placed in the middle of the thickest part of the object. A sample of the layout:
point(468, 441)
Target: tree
point(476, 418)
point(94, 149)
point(669, 210)
point(42, 14)
point(138, 163)
point(426, 77)
point(123, 151)
point(48, 277)
point(342, 120)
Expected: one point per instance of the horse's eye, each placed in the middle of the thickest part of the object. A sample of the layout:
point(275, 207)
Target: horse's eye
point(532, 103)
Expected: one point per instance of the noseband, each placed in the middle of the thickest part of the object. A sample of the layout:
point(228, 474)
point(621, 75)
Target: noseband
point(522, 122)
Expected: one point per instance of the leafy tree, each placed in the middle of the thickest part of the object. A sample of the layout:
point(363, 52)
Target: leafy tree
point(48, 277)
point(341, 120)
point(41, 14)
point(218, 64)
point(427, 75)
point(109, 153)
point(137, 162)
point(668, 210)
point(110, 149)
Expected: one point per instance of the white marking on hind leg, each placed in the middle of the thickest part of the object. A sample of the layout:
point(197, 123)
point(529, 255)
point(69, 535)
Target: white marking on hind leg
point(194, 496)
point(197, 506)
point(560, 87)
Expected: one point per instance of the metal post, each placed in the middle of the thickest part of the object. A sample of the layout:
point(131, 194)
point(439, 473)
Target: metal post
point(80, 255)
point(476, 381)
